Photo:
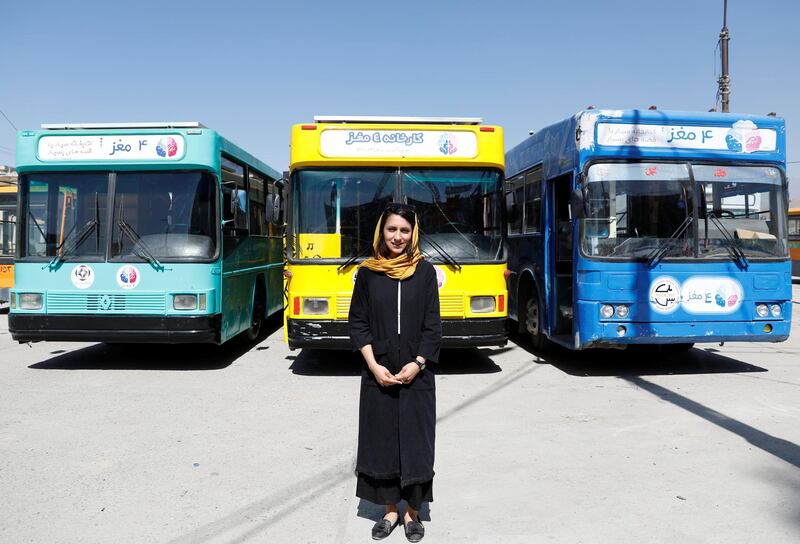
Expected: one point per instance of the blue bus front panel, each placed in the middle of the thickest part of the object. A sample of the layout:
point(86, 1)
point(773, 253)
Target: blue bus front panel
point(116, 302)
point(681, 303)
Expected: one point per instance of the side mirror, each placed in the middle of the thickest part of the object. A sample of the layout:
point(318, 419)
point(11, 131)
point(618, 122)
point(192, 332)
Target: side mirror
point(277, 210)
point(269, 211)
point(577, 204)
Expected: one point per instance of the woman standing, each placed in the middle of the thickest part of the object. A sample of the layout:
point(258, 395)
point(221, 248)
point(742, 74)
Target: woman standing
point(395, 323)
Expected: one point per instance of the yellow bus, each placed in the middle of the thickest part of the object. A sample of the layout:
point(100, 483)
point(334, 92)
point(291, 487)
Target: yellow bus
point(794, 240)
point(8, 220)
point(343, 173)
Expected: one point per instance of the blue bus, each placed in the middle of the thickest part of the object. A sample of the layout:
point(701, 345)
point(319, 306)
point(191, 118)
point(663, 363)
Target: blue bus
point(649, 227)
point(143, 232)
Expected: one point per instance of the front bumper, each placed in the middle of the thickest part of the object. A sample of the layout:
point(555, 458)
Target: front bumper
point(456, 333)
point(606, 333)
point(89, 328)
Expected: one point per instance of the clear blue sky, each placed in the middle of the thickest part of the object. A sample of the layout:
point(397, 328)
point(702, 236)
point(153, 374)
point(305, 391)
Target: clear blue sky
point(251, 69)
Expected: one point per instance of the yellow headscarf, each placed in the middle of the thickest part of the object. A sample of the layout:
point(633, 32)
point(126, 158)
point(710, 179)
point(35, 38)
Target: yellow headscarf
point(400, 267)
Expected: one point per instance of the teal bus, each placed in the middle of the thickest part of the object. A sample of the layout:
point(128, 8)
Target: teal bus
point(143, 232)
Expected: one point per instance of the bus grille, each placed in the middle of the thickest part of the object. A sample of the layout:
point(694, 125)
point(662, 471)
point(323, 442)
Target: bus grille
point(67, 303)
point(342, 306)
point(451, 305)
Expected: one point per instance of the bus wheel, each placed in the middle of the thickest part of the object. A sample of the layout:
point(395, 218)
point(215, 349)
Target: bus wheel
point(257, 319)
point(533, 323)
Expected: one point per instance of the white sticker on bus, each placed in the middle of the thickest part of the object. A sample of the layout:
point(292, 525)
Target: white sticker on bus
point(741, 137)
point(398, 143)
point(115, 147)
point(82, 276)
point(711, 295)
point(128, 276)
point(441, 277)
point(665, 295)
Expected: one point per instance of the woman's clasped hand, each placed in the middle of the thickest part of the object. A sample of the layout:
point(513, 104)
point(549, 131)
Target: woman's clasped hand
point(385, 378)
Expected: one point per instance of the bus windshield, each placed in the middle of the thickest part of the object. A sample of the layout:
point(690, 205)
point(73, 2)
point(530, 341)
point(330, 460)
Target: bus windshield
point(458, 211)
point(335, 210)
point(64, 215)
point(744, 203)
point(636, 211)
point(168, 214)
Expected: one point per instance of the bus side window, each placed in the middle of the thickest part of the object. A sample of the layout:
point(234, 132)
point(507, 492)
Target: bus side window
point(514, 204)
point(533, 200)
point(234, 195)
point(257, 192)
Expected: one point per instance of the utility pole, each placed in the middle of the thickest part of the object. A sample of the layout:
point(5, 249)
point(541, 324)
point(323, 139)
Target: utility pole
point(724, 80)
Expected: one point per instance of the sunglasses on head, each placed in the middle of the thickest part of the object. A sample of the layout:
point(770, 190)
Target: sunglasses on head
point(394, 207)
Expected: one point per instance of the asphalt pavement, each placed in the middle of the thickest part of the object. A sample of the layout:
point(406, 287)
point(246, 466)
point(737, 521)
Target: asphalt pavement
point(173, 444)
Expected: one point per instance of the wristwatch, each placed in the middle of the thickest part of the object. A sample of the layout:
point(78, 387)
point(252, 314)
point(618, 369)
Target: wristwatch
point(420, 364)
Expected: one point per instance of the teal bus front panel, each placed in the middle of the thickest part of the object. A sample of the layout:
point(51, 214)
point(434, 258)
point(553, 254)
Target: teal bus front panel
point(79, 298)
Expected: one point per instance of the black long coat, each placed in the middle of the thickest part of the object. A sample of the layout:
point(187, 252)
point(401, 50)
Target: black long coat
point(397, 424)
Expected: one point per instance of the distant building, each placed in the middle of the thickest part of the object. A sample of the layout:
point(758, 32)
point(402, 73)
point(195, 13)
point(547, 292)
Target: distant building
point(8, 176)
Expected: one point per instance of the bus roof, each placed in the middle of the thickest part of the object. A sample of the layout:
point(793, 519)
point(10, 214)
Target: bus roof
point(398, 120)
point(129, 146)
point(367, 141)
point(106, 126)
point(650, 134)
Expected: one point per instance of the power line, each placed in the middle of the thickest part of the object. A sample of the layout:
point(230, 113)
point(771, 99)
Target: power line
point(9, 121)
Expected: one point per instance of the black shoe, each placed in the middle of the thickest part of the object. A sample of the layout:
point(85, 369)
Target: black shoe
point(383, 528)
point(414, 530)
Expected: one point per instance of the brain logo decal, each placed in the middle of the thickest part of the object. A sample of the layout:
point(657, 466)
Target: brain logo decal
point(128, 277)
point(743, 137)
point(167, 147)
point(447, 144)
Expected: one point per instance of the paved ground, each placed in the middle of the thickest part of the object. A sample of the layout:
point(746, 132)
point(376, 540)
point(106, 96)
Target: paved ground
point(175, 445)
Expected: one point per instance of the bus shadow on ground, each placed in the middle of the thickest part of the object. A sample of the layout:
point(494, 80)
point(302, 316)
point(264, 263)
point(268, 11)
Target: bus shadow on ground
point(156, 356)
point(317, 362)
point(637, 361)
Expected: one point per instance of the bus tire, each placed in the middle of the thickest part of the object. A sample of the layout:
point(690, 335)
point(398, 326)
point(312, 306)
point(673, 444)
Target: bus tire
point(257, 318)
point(533, 322)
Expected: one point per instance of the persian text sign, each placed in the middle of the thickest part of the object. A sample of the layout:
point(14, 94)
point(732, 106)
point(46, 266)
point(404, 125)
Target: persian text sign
point(741, 137)
point(697, 295)
point(711, 295)
point(128, 147)
point(398, 143)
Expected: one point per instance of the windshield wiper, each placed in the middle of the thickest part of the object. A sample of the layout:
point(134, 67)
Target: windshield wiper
point(730, 245)
point(139, 247)
point(79, 236)
point(434, 199)
point(440, 250)
point(658, 254)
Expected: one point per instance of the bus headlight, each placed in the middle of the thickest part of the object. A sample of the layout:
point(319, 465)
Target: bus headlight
point(775, 310)
point(184, 302)
point(315, 306)
point(30, 301)
point(606, 311)
point(13, 302)
point(762, 310)
point(481, 305)
point(622, 311)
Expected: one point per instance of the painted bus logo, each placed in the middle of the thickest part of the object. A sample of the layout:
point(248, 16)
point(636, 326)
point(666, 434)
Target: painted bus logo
point(743, 136)
point(447, 144)
point(167, 147)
